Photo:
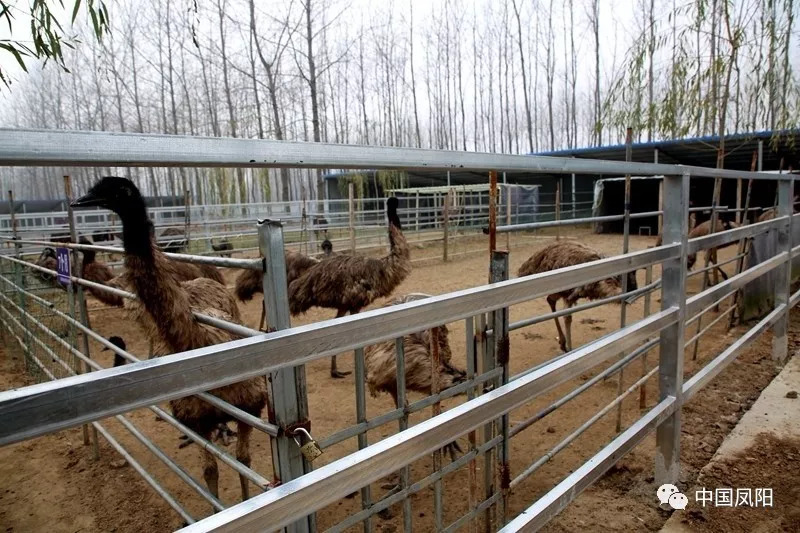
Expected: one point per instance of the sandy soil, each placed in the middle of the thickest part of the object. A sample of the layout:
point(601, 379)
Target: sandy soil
point(53, 483)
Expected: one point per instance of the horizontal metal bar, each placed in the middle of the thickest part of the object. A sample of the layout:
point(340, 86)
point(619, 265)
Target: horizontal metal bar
point(571, 395)
point(701, 300)
point(794, 298)
point(709, 307)
point(239, 414)
point(228, 262)
point(583, 307)
point(718, 364)
point(554, 223)
point(172, 465)
point(397, 414)
point(299, 497)
point(388, 501)
point(549, 505)
point(38, 148)
point(220, 454)
point(719, 238)
point(566, 441)
point(150, 480)
point(482, 506)
point(48, 407)
point(709, 325)
point(236, 329)
point(712, 266)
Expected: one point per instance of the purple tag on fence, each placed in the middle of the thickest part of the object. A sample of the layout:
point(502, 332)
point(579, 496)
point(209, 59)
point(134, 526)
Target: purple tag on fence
point(62, 255)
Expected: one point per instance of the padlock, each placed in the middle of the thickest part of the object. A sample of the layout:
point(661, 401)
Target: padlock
point(310, 449)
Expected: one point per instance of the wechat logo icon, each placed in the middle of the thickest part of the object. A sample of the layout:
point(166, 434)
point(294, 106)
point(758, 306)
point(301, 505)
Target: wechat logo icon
point(670, 494)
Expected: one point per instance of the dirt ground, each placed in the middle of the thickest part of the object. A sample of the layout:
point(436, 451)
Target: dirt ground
point(53, 483)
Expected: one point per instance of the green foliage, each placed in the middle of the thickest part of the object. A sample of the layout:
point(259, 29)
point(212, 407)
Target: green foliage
point(48, 36)
point(391, 179)
point(263, 180)
point(359, 182)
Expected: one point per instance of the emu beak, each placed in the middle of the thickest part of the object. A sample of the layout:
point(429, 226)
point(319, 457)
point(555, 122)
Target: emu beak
point(87, 200)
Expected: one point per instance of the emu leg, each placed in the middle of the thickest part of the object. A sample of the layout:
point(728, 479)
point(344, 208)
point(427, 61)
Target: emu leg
point(568, 328)
point(210, 470)
point(262, 319)
point(243, 455)
point(552, 300)
point(335, 373)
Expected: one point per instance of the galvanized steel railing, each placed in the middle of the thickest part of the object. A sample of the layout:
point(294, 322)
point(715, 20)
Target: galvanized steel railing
point(491, 392)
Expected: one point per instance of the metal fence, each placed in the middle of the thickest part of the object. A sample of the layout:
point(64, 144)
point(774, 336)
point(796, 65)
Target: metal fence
point(490, 389)
point(443, 224)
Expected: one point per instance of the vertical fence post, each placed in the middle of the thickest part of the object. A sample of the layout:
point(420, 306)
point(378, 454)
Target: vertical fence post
point(19, 274)
point(783, 273)
point(416, 211)
point(446, 216)
point(626, 232)
point(351, 220)
point(84, 314)
point(287, 387)
point(499, 318)
point(673, 295)
point(558, 207)
point(508, 217)
point(492, 212)
point(187, 220)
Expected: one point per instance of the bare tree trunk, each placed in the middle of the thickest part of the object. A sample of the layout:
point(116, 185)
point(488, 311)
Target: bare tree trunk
point(524, 76)
point(272, 90)
point(594, 18)
point(550, 73)
point(413, 78)
point(221, 6)
point(312, 87)
point(651, 50)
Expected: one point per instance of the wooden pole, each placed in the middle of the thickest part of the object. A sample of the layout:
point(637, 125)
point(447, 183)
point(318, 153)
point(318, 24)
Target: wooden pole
point(492, 212)
point(187, 219)
point(742, 248)
point(352, 216)
point(626, 230)
point(83, 311)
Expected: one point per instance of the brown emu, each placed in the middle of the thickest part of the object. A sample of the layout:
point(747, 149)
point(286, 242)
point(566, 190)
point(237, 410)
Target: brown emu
point(169, 305)
point(224, 247)
point(348, 283)
point(47, 259)
point(250, 282)
point(701, 230)
point(99, 273)
point(564, 254)
point(177, 244)
point(381, 364)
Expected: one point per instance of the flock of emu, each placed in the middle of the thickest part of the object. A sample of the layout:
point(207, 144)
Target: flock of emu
point(170, 291)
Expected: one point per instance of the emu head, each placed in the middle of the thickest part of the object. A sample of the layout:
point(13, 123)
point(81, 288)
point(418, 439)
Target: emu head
point(120, 195)
point(46, 253)
point(327, 247)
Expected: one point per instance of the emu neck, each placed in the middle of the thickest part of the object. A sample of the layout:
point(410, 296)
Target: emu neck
point(156, 285)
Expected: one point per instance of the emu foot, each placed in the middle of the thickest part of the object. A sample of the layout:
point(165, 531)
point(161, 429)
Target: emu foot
point(222, 434)
point(339, 375)
point(451, 450)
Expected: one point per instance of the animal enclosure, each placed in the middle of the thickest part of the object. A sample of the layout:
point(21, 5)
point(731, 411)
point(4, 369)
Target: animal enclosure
point(501, 394)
